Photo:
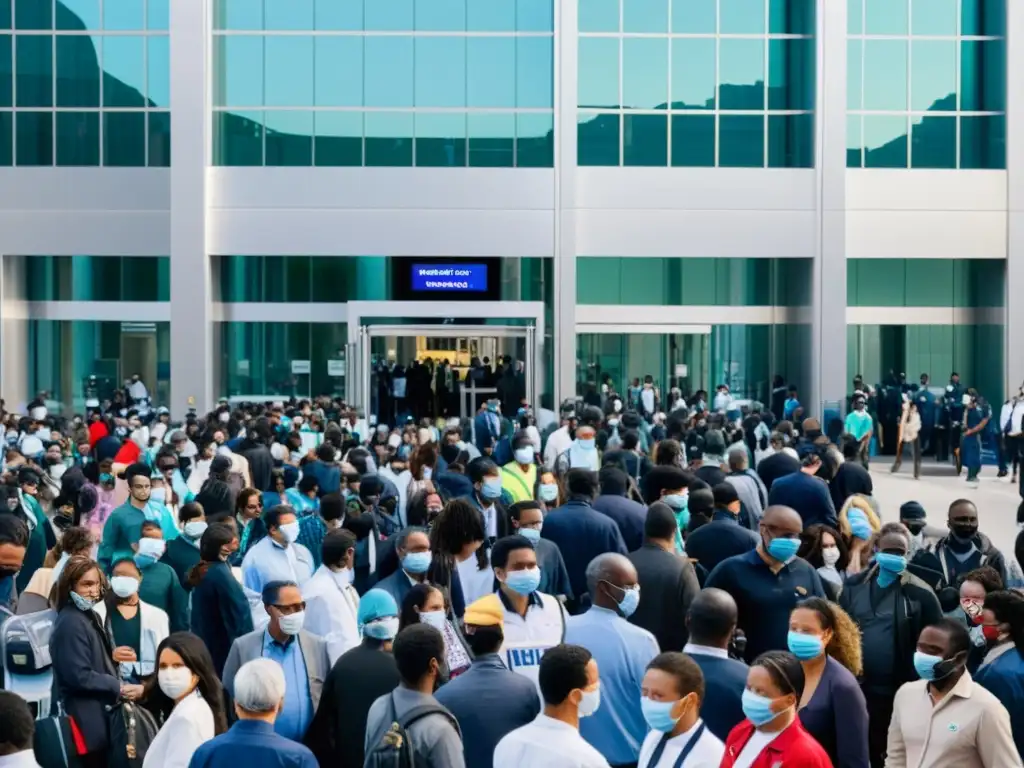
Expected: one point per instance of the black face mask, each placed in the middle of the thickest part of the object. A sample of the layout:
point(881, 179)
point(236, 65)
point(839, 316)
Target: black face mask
point(947, 667)
point(7, 571)
point(964, 532)
point(915, 526)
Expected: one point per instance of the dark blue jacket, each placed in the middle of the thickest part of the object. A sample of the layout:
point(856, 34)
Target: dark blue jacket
point(719, 540)
point(220, 612)
point(254, 744)
point(806, 494)
point(724, 681)
point(837, 717)
point(489, 701)
point(328, 476)
point(1004, 678)
point(629, 515)
point(581, 533)
point(453, 485)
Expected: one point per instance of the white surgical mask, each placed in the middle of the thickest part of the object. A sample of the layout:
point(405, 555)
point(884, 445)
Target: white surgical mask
point(175, 682)
point(436, 619)
point(830, 555)
point(195, 529)
point(152, 547)
point(290, 531)
point(159, 495)
point(525, 455)
point(291, 624)
point(590, 702)
point(124, 586)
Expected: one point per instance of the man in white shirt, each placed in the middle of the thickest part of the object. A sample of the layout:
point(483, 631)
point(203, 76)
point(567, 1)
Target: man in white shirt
point(332, 603)
point(672, 693)
point(571, 689)
point(277, 557)
point(561, 439)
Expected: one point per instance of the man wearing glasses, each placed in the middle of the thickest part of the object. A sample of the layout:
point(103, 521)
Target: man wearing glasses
point(302, 656)
point(124, 526)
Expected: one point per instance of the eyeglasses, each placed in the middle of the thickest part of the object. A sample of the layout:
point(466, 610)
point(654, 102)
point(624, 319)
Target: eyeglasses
point(287, 610)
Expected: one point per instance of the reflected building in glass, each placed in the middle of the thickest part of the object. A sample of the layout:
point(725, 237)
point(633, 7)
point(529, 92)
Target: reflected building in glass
point(703, 191)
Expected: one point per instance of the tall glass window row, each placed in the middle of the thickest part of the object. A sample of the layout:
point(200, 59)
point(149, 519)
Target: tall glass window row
point(86, 15)
point(926, 84)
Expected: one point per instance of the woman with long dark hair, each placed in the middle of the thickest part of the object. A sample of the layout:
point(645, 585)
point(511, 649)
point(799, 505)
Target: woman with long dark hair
point(220, 611)
point(425, 604)
point(457, 541)
point(187, 696)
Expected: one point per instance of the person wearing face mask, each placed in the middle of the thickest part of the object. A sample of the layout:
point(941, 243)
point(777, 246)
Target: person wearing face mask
point(332, 602)
point(924, 536)
point(329, 515)
point(41, 536)
point(487, 496)
point(1002, 670)
point(435, 740)
point(301, 654)
point(426, 604)
point(519, 476)
point(672, 694)
point(832, 707)
point(14, 539)
point(278, 556)
point(825, 549)
point(182, 552)
point(890, 606)
point(724, 536)
point(526, 519)
point(190, 698)
point(135, 628)
point(976, 418)
point(547, 490)
point(582, 454)
point(768, 582)
point(570, 687)
point(670, 484)
point(622, 650)
point(771, 735)
point(161, 587)
point(946, 718)
point(123, 528)
point(415, 558)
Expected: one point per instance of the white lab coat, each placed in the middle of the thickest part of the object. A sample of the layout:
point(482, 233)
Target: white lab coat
point(188, 728)
point(332, 605)
point(155, 629)
point(546, 743)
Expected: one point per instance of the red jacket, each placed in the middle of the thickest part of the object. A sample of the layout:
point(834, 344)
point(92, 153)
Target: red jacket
point(793, 748)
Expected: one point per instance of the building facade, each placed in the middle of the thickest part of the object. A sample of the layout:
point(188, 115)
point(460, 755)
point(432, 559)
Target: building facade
point(253, 197)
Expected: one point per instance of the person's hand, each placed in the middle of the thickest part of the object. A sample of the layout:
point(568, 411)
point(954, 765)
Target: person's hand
point(124, 655)
point(131, 692)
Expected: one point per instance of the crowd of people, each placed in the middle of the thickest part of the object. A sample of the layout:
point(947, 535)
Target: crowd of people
point(292, 584)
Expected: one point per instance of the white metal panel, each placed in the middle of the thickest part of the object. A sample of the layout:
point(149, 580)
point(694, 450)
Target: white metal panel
point(925, 316)
point(943, 234)
point(641, 328)
point(925, 190)
point(99, 233)
point(665, 316)
point(108, 311)
point(85, 189)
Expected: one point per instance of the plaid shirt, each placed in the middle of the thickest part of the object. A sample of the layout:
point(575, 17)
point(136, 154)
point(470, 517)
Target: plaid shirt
point(312, 530)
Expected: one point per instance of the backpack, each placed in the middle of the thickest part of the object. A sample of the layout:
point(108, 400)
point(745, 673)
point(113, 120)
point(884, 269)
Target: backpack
point(132, 730)
point(394, 749)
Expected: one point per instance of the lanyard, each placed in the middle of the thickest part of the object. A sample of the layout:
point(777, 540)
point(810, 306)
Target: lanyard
point(660, 749)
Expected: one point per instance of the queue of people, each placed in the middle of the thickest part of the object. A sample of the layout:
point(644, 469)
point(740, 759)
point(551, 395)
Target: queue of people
point(680, 593)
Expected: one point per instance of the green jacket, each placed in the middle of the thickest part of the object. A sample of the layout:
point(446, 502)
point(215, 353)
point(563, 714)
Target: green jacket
point(122, 529)
point(41, 539)
point(160, 587)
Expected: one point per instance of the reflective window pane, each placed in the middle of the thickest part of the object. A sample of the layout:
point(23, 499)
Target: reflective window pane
point(389, 137)
point(6, 18)
point(124, 62)
point(855, 17)
point(339, 138)
point(983, 17)
point(394, 15)
point(34, 70)
point(645, 16)
point(288, 14)
point(238, 138)
point(289, 71)
point(535, 16)
point(489, 16)
point(933, 142)
point(597, 139)
point(34, 138)
point(983, 142)
point(32, 14)
point(491, 140)
point(741, 141)
point(6, 70)
point(693, 141)
point(694, 16)
point(885, 141)
point(440, 15)
point(933, 17)
point(491, 72)
point(238, 71)
point(535, 72)
point(598, 72)
point(158, 15)
point(791, 65)
point(238, 14)
point(388, 73)
point(289, 138)
point(693, 73)
point(338, 15)
point(598, 15)
point(78, 73)
point(791, 17)
point(158, 62)
point(339, 71)
point(645, 140)
point(441, 139)
point(886, 17)
point(76, 15)
point(124, 139)
point(983, 75)
point(854, 142)
point(6, 138)
point(741, 17)
point(854, 74)
point(124, 14)
point(933, 80)
point(440, 68)
point(644, 73)
point(78, 138)
point(535, 145)
point(741, 74)
point(159, 139)
point(885, 75)
point(791, 141)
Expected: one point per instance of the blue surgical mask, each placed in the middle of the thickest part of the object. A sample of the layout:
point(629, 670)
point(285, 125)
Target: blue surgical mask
point(417, 562)
point(586, 445)
point(895, 564)
point(805, 647)
point(491, 488)
point(630, 599)
point(677, 501)
point(548, 491)
point(757, 708)
point(860, 527)
point(525, 455)
point(934, 667)
point(144, 561)
point(783, 550)
point(82, 603)
point(384, 628)
point(524, 582)
point(658, 714)
point(532, 534)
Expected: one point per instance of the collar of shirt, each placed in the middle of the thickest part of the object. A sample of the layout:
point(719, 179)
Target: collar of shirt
point(724, 516)
point(254, 727)
point(489, 661)
point(962, 690)
point(26, 759)
point(705, 650)
point(533, 599)
point(268, 640)
point(997, 651)
point(604, 613)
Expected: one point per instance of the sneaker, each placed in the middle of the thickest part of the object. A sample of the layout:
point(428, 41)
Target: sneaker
point(1002, 473)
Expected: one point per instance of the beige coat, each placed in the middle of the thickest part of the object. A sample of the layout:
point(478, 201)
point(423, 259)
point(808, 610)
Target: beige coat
point(910, 423)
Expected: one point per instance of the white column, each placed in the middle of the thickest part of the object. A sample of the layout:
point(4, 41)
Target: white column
point(13, 333)
point(564, 332)
point(828, 357)
point(191, 294)
point(1014, 317)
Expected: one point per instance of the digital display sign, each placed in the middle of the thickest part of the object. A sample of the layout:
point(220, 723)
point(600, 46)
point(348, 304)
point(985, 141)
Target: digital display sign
point(449, 278)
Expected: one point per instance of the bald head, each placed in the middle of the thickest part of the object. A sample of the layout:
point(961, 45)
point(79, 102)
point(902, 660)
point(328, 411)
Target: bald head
point(782, 520)
point(712, 618)
point(608, 577)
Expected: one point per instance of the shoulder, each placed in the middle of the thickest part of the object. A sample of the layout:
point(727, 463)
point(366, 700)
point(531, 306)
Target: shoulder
point(912, 690)
point(985, 697)
point(839, 676)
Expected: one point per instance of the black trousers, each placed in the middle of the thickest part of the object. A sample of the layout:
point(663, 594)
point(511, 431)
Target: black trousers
point(879, 716)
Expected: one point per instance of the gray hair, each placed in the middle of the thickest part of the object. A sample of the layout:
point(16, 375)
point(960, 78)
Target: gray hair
point(259, 686)
point(738, 459)
point(601, 568)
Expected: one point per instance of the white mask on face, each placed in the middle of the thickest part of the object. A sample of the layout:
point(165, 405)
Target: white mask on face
point(152, 547)
point(291, 624)
point(436, 619)
point(290, 531)
point(124, 586)
point(175, 682)
point(830, 555)
point(590, 702)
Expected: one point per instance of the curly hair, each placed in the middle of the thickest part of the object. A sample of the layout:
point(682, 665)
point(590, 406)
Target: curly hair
point(458, 524)
point(987, 576)
point(861, 502)
point(845, 645)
